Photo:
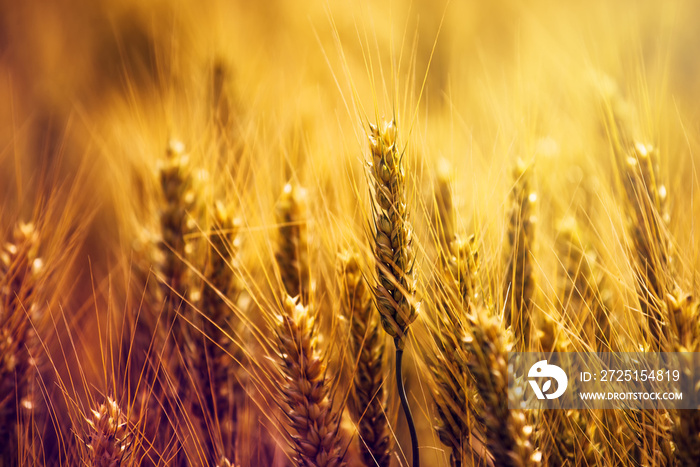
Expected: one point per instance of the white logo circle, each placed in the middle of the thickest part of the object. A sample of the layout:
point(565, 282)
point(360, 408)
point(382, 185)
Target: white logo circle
point(542, 369)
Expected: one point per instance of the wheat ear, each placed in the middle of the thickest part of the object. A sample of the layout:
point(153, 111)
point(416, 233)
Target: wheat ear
point(672, 315)
point(178, 200)
point(166, 249)
point(367, 346)
point(645, 201)
point(454, 393)
point(217, 372)
point(520, 283)
point(445, 214)
point(292, 248)
point(396, 284)
point(456, 288)
point(179, 197)
point(222, 107)
point(393, 252)
point(108, 440)
point(21, 270)
point(684, 314)
point(313, 422)
point(507, 432)
point(583, 298)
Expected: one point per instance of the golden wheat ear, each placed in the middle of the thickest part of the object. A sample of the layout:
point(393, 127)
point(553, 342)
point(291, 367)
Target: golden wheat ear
point(314, 423)
point(393, 235)
point(108, 439)
point(395, 290)
point(445, 213)
point(456, 293)
point(217, 372)
point(520, 280)
point(508, 435)
point(292, 252)
point(666, 308)
point(162, 335)
point(684, 314)
point(645, 204)
point(367, 347)
point(179, 200)
point(585, 303)
point(21, 271)
point(458, 424)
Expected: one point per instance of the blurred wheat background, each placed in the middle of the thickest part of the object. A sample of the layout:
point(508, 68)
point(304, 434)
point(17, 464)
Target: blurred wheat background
point(219, 218)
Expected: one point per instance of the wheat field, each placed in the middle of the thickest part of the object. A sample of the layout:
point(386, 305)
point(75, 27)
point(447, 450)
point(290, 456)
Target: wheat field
point(282, 233)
